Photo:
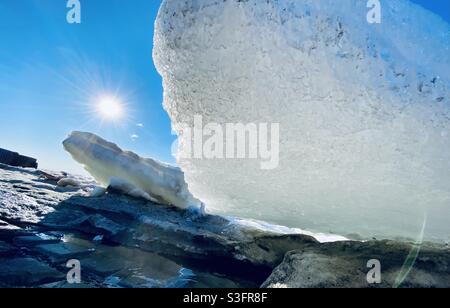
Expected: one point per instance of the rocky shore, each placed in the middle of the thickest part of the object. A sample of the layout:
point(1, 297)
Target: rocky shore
point(49, 218)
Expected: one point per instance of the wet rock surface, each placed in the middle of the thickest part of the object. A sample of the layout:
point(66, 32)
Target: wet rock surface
point(126, 242)
point(25, 271)
point(345, 265)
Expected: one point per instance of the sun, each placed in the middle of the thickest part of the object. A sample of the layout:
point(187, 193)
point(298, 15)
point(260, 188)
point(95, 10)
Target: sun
point(110, 108)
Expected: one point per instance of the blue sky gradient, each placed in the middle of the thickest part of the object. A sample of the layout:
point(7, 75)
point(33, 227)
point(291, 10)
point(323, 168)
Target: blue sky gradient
point(51, 73)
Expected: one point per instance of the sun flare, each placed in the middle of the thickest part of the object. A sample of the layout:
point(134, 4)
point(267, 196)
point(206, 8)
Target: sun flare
point(110, 108)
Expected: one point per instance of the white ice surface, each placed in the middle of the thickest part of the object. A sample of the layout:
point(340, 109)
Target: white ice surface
point(363, 110)
point(129, 173)
point(264, 226)
point(129, 189)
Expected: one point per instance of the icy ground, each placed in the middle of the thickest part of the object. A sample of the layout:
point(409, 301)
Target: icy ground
point(122, 241)
point(43, 225)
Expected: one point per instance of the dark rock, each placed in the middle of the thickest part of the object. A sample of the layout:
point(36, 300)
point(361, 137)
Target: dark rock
point(20, 272)
point(8, 231)
point(34, 240)
point(344, 265)
point(7, 249)
point(53, 177)
point(181, 234)
point(103, 265)
point(17, 160)
point(106, 226)
point(269, 250)
point(65, 285)
point(64, 219)
point(8, 228)
point(63, 252)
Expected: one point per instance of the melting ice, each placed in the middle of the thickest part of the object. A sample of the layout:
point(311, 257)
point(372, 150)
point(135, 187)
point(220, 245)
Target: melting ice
point(131, 174)
point(363, 110)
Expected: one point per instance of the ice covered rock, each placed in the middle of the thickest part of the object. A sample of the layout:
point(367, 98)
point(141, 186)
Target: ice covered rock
point(130, 234)
point(65, 182)
point(97, 191)
point(126, 171)
point(363, 110)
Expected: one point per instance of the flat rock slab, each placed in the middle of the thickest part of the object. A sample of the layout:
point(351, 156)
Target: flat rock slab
point(34, 240)
point(63, 252)
point(106, 226)
point(103, 265)
point(7, 231)
point(6, 226)
point(20, 272)
point(7, 249)
point(345, 265)
point(65, 285)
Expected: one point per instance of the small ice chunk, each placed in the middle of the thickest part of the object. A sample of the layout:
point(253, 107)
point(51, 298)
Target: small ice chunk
point(129, 173)
point(97, 192)
point(98, 238)
point(65, 182)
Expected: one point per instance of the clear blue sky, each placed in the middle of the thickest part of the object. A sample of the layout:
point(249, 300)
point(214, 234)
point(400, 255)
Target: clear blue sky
point(50, 72)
